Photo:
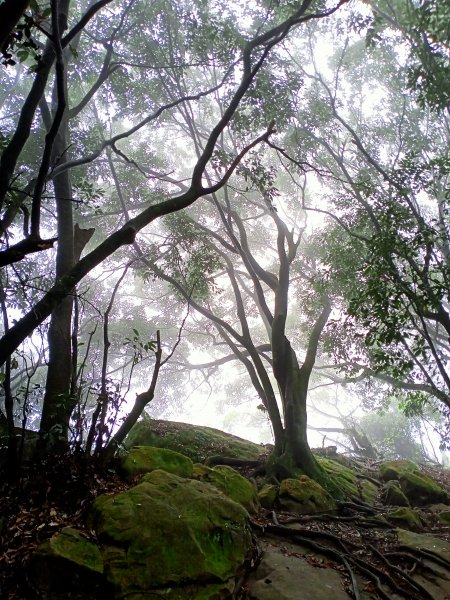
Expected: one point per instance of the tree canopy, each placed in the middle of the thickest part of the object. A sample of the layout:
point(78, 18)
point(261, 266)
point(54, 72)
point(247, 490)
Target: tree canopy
point(266, 183)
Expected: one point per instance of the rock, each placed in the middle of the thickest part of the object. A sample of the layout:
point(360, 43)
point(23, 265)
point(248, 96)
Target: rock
point(368, 490)
point(144, 459)
point(231, 483)
point(344, 477)
point(434, 577)
point(424, 541)
point(194, 441)
point(287, 577)
point(405, 517)
point(421, 489)
point(67, 565)
point(170, 533)
point(304, 495)
point(392, 469)
point(392, 494)
point(444, 517)
point(267, 495)
point(348, 480)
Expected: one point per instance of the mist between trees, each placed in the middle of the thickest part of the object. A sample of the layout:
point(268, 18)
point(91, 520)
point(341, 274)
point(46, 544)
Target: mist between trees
point(196, 199)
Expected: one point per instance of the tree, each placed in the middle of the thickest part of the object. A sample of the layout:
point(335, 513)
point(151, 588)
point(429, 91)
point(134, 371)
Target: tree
point(385, 254)
point(252, 51)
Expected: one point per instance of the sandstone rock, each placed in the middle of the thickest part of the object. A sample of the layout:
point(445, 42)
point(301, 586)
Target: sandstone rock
point(267, 495)
point(287, 577)
point(67, 565)
point(144, 459)
point(348, 480)
point(421, 489)
point(194, 441)
point(392, 469)
point(304, 495)
point(405, 517)
point(231, 483)
point(392, 494)
point(170, 536)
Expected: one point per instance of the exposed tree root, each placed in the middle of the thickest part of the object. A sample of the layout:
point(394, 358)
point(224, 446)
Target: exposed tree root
point(378, 567)
point(427, 555)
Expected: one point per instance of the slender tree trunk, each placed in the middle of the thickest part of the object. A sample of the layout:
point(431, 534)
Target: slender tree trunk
point(57, 404)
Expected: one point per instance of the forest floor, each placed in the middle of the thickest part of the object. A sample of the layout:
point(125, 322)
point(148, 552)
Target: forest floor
point(57, 493)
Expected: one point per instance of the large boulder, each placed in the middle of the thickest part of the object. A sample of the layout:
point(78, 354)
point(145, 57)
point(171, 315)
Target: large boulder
point(392, 494)
point(392, 469)
point(348, 481)
point(421, 489)
point(171, 536)
point(68, 565)
point(231, 483)
point(405, 517)
point(194, 441)
point(303, 495)
point(144, 459)
point(268, 495)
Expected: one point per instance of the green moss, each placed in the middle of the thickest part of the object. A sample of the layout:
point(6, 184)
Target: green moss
point(393, 495)
point(444, 517)
point(405, 517)
point(67, 565)
point(231, 483)
point(194, 441)
point(421, 489)
point(144, 459)
point(344, 477)
point(304, 495)
point(267, 495)
point(394, 468)
point(71, 545)
point(368, 491)
point(169, 531)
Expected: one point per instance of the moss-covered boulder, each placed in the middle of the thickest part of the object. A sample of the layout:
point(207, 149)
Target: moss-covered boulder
point(67, 565)
point(392, 469)
point(267, 495)
point(144, 459)
point(348, 480)
point(304, 495)
point(392, 494)
point(421, 489)
point(194, 441)
point(231, 483)
point(405, 517)
point(169, 535)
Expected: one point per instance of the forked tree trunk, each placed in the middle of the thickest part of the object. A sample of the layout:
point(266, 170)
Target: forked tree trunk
point(293, 382)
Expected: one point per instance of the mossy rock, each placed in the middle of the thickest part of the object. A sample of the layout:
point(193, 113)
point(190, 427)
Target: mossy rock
point(444, 517)
point(392, 494)
point(405, 517)
point(347, 480)
point(231, 483)
point(304, 495)
point(169, 532)
point(368, 490)
point(267, 495)
point(194, 441)
point(421, 489)
point(344, 477)
point(144, 459)
point(67, 565)
point(392, 469)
